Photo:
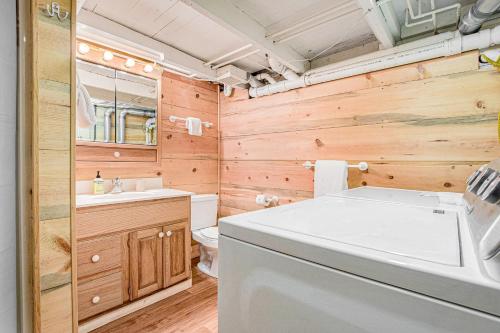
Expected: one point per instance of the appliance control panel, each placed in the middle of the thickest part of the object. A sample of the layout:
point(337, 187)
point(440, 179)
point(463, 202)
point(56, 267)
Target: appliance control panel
point(482, 204)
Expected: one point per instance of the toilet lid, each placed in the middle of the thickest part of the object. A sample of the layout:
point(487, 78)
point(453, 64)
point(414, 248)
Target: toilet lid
point(212, 232)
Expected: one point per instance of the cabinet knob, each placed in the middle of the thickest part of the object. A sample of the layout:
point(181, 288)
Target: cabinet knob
point(95, 258)
point(96, 299)
point(161, 234)
point(169, 233)
point(116, 154)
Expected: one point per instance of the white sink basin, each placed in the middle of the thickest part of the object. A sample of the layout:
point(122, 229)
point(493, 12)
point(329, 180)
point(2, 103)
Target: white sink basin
point(86, 200)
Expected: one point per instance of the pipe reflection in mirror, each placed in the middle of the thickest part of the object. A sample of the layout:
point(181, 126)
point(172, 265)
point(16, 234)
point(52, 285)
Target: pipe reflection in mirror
point(123, 116)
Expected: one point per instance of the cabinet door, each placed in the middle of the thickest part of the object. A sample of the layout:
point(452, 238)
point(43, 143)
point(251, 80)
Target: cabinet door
point(146, 267)
point(176, 253)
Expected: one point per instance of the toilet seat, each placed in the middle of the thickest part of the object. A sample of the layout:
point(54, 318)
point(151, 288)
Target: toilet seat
point(201, 237)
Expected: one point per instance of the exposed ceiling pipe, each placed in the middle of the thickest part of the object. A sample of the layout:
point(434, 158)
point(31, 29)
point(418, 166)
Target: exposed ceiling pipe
point(265, 76)
point(477, 14)
point(279, 68)
point(429, 48)
point(123, 116)
point(254, 83)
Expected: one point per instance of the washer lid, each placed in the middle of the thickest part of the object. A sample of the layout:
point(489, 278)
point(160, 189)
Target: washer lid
point(211, 233)
point(422, 233)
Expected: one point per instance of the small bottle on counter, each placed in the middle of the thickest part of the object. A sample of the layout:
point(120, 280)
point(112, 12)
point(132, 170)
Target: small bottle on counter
point(98, 184)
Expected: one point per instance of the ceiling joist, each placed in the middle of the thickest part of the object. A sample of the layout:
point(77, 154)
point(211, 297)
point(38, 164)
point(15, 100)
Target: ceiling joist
point(377, 23)
point(227, 15)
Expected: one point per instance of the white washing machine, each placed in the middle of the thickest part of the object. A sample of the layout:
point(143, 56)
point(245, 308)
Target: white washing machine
point(366, 262)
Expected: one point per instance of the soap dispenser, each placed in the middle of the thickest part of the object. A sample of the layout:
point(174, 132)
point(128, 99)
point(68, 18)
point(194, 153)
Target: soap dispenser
point(98, 184)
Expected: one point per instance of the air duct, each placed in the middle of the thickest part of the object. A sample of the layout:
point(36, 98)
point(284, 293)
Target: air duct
point(441, 45)
point(477, 14)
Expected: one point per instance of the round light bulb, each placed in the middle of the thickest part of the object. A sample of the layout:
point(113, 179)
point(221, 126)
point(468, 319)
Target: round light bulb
point(148, 68)
point(108, 56)
point(130, 63)
point(83, 48)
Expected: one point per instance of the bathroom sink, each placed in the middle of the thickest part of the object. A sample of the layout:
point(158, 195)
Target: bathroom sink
point(86, 200)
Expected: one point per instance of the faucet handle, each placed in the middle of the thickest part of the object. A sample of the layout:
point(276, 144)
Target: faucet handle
point(117, 181)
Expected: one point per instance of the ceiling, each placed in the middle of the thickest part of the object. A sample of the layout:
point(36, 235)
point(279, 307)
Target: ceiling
point(332, 26)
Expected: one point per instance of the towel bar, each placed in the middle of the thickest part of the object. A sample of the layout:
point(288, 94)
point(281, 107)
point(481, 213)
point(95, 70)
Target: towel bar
point(363, 166)
point(173, 119)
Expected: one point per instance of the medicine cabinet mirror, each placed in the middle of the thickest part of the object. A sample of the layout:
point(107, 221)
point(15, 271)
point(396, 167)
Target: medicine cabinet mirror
point(115, 106)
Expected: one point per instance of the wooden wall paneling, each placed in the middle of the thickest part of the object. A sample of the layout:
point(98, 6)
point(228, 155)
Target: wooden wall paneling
point(86, 170)
point(291, 175)
point(243, 197)
point(412, 72)
point(199, 188)
point(186, 95)
point(52, 109)
point(402, 102)
point(423, 126)
point(189, 172)
point(437, 140)
point(184, 146)
point(228, 211)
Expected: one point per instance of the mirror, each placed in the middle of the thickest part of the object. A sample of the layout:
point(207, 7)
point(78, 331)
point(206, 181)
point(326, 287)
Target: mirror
point(136, 103)
point(114, 106)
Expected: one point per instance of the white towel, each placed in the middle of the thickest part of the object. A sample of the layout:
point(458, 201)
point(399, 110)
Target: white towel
point(329, 177)
point(85, 113)
point(193, 126)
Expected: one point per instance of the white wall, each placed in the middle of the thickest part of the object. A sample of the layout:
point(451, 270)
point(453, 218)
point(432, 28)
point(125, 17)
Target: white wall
point(8, 106)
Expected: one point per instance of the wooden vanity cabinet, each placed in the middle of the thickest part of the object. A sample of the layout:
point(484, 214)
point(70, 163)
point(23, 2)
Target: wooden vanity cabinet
point(123, 257)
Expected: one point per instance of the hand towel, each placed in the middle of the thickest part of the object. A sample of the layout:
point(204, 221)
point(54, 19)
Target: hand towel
point(193, 126)
point(329, 177)
point(85, 113)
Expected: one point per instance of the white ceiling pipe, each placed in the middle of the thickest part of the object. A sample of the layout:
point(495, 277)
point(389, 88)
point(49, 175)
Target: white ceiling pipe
point(397, 56)
point(477, 14)
point(265, 76)
point(279, 68)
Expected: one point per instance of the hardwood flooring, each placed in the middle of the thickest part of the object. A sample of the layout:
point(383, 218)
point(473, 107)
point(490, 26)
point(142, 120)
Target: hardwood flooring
point(191, 311)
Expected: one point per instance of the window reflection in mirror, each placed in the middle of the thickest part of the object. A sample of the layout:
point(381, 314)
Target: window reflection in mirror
point(114, 106)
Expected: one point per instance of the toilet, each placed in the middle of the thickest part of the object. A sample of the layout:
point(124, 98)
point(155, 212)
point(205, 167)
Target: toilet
point(205, 231)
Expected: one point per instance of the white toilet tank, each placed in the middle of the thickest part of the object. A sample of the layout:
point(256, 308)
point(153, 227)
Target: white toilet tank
point(203, 211)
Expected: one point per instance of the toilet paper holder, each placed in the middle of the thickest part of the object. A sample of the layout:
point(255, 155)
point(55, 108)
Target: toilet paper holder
point(363, 166)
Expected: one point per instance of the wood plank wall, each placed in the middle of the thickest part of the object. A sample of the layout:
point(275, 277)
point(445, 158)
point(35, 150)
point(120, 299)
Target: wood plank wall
point(187, 162)
point(422, 126)
point(52, 167)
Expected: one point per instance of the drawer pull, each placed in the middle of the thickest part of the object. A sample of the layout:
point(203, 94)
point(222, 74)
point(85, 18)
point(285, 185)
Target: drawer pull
point(161, 234)
point(95, 258)
point(96, 299)
point(169, 233)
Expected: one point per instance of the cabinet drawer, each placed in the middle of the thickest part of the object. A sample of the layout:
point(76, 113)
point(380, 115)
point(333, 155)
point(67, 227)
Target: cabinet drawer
point(99, 255)
point(99, 295)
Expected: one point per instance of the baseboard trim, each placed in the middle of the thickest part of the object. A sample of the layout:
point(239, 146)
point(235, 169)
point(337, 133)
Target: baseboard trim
point(132, 307)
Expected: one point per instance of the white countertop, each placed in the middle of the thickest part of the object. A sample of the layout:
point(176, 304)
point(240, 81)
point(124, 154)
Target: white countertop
point(88, 200)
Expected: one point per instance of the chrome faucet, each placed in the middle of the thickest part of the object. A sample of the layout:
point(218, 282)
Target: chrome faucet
point(117, 185)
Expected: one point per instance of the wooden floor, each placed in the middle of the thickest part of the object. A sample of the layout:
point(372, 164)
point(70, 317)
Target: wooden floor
point(191, 311)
